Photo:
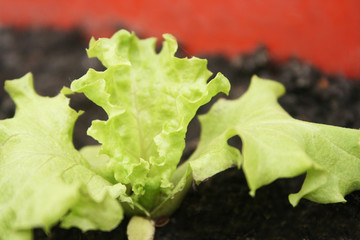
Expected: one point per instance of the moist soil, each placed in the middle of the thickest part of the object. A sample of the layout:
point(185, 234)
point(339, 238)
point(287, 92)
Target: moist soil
point(221, 207)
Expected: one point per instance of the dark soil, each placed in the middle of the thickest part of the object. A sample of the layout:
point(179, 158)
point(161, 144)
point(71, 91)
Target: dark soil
point(220, 208)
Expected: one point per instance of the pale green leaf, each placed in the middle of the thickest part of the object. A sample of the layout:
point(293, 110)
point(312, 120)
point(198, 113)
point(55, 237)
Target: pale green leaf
point(277, 146)
point(42, 176)
point(150, 98)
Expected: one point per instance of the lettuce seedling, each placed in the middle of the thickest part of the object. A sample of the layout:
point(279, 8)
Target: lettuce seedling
point(150, 98)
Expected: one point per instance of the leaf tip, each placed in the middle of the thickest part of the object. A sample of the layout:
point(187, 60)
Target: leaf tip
point(276, 87)
point(23, 86)
point(225, 83)
point(252, 192)
point(294, 199)
point(170, 44)
point(66, 91)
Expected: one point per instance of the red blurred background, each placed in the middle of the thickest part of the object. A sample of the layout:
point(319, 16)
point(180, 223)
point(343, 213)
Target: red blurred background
point(325, 33)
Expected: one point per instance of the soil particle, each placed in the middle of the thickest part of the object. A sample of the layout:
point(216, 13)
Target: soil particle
point(221, 207)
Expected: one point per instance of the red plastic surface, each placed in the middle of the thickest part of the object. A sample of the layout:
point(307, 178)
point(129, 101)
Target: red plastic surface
point(323, 32)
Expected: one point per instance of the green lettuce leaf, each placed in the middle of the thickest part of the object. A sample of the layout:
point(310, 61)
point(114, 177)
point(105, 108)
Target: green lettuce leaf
point(274, 145)
point(149, 98)
point(43, 178)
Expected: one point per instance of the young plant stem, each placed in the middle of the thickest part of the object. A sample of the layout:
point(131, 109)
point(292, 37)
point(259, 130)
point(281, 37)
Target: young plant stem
point(141, 228)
